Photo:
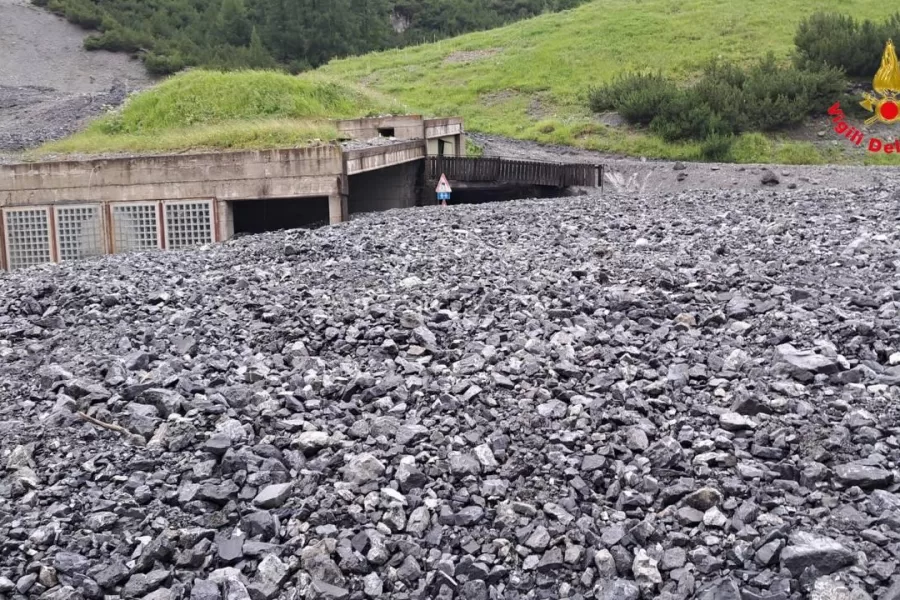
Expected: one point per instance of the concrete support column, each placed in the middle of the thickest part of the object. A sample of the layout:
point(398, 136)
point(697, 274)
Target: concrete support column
point(461, 144)
point(337, 209)
point(224, 221)
point(338, 201)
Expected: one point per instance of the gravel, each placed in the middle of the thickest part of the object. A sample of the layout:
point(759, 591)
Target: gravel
point(30, 116)
point(495, 401)
point(49, 84)
point(640, 176)
point(375, 142)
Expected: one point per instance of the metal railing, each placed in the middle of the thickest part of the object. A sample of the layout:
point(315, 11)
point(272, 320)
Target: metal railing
point(502, 170)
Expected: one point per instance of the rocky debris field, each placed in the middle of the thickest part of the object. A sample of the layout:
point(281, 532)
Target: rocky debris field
point(640, 176)
point(683, 396)
point(30, 116)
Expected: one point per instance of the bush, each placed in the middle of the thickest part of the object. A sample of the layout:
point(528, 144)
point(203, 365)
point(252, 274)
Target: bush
point(636, 96)
point(80, 12)
point(840, 41)
point(164, 64)
point(686, 116)
point(776, 97)
point(717, 147)
point(118, 40)
point(726, 101)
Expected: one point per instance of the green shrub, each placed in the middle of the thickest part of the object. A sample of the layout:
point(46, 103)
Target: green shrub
point(609, 96)
point(843, 42)
point(779, 97)
point(685, 116)
point(636, 96)
point(118, 40)
point(726, 101)
point(717, 147)
point(164, 64)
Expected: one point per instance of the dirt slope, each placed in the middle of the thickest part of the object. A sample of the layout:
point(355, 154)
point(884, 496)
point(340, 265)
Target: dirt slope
point(48, 83)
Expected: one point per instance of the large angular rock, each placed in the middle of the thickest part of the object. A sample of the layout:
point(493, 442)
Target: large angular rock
point(70, 563)
point(616, 589)
point(664, 453)
point(273, 496)
point(270, 575)
point(806, 363)
point(807, 549)
point(363, 468)
point(206, 590)
point(864, 476)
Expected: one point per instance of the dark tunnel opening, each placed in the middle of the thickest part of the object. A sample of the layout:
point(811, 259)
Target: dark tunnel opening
point(259, 216)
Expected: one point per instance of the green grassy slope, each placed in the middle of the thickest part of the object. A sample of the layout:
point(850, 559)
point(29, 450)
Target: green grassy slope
point(528, 80)
point(207, 109)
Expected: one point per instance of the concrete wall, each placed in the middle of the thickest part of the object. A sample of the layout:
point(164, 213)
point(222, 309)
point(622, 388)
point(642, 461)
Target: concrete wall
point(384, 189)
point(453, 146)
point(435, 128)
point(406, 127)
point(225, 176)
point(450, 131)
point(379, 157)
point(411, 127)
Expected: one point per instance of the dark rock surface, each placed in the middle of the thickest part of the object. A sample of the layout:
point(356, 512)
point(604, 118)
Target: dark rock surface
point(503, 401)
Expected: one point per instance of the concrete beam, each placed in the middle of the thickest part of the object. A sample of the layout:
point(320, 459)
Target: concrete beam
point(379, 157)
point(406, 127)
point(245, 189)
point(438, 128)
point(171, 177)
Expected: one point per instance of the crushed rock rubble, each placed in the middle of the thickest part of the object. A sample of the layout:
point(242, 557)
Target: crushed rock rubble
point(508, 400)
point(30, 115)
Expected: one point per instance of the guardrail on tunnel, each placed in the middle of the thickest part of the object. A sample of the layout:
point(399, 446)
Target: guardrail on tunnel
point(502, 170)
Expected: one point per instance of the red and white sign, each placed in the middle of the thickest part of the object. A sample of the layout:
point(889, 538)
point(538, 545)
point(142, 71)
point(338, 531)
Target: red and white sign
point(443, 186)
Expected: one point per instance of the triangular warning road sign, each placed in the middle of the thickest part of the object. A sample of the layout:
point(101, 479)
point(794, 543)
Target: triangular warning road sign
point(443, 186)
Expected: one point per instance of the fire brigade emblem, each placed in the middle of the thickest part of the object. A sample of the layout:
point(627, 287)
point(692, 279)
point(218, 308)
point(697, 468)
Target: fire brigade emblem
point(885, 102)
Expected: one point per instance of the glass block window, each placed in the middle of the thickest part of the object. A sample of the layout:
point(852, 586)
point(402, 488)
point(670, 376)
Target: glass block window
point(27, 237)
point(135, 227)
point(188, 224)
point(79, 232)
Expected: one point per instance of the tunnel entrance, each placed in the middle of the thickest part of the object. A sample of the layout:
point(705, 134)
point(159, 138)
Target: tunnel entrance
point(483, 193)
point(275, 214)
point(385, 188)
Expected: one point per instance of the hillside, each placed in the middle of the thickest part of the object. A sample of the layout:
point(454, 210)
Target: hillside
point(170, 35)
point(49, 84)
point(529, 80)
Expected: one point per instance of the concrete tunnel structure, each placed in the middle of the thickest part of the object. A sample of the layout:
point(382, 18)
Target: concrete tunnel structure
point(66, 210)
